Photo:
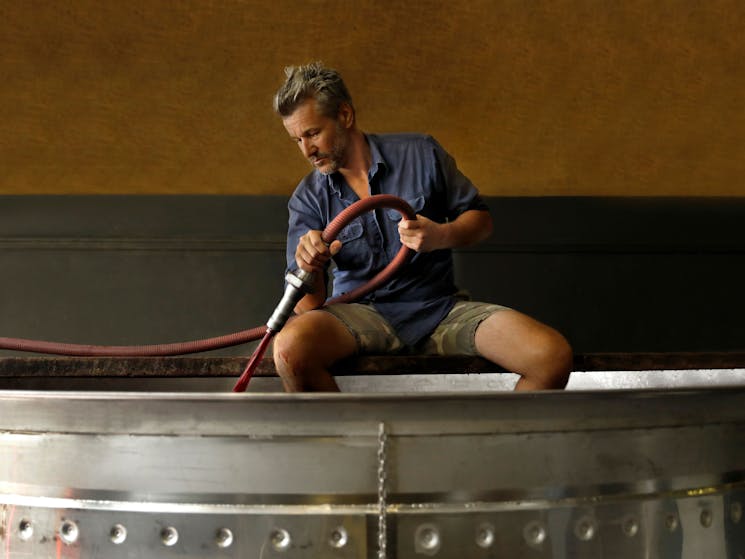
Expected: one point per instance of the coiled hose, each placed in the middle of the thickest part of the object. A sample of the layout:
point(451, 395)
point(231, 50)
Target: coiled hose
point(208, 344)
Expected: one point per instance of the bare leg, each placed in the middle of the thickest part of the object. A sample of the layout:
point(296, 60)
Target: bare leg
point(305, 349)
point(537, 352)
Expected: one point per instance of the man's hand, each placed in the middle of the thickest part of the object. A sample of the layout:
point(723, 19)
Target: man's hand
point(425, 235)
point(312, 253)
point(421, 234)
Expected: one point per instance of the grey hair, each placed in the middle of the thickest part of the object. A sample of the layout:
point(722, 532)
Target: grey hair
point(312, 81)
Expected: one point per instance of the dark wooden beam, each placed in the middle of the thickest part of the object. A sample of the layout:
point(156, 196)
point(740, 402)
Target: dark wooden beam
point(195, 367)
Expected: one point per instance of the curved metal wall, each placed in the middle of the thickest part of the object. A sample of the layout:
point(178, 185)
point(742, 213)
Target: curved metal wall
point(620, 474)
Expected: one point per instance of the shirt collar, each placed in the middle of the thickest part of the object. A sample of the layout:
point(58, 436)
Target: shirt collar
point(377, 163)
point(334, 180)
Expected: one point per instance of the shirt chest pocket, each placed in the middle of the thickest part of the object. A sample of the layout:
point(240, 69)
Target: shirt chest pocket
point(416, 203)
point(351, 232)
point(354, 248)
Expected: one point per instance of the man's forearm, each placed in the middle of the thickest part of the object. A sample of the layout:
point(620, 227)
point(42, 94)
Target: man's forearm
point(468, 228)
point(316, 298)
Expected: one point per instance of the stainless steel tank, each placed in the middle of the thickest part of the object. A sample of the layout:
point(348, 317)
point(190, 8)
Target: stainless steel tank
point(579, 474)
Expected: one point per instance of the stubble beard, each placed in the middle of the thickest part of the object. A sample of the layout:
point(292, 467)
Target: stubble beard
point(338, 154)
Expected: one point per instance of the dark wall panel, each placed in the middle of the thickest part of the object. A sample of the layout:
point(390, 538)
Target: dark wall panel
point(613, 274)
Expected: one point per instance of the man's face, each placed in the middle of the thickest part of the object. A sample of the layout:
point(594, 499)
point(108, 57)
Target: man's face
point(322, 140)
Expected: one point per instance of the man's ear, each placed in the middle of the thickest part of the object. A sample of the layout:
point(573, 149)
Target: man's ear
point(346, 115)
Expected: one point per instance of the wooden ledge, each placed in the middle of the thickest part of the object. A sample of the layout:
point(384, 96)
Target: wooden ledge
point(196, 367)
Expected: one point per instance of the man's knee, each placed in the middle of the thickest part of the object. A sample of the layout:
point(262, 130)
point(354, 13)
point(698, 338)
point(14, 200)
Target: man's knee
point(312, 340)
point(553, 359)
point(525, 346)
point(561, 355)
point(287, 349)
point(552, 346)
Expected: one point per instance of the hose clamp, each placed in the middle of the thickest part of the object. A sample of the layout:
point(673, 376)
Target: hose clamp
point(300, 279)
point(299, 283)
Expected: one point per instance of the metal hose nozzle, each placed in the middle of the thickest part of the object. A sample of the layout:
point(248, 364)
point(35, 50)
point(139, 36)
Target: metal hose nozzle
point(299, 283)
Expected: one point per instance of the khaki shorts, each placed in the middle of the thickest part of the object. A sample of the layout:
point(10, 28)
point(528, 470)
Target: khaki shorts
point(455, 335)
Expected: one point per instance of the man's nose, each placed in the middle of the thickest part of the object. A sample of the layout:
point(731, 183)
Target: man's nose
point(307, 147)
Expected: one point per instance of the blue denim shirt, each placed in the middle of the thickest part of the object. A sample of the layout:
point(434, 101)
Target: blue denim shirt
point(413, 167)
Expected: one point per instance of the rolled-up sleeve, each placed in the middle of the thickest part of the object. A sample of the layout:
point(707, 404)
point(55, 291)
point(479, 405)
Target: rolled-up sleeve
point(459, 192)
point(304, 216)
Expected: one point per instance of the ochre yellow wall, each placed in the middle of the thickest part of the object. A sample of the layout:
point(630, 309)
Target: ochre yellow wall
point(532, 97)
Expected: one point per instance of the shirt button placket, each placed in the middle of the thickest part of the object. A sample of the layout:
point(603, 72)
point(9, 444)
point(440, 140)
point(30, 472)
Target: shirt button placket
point(376, 237)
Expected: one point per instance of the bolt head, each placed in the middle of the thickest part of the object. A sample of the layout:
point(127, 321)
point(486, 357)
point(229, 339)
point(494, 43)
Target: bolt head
point(630, 526)
point(485, 536)
point(169, 536)
point(118, 534)
point(735, 512)
point(707, 517)
point(339, 537)
point(535, 533)
point(280, 539)
point(224, 538)
point(25, 530)
point(585, 529)
point(68, 532)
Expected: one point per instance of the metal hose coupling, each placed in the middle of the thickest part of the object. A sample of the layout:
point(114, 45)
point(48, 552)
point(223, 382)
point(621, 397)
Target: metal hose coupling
point(299, 282)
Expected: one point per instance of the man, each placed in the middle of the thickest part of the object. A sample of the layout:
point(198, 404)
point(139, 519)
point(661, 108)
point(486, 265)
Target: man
point(420, 309)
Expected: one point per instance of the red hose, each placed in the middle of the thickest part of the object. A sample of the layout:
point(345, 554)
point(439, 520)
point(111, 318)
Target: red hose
point(182, 348)
point(355, 210)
